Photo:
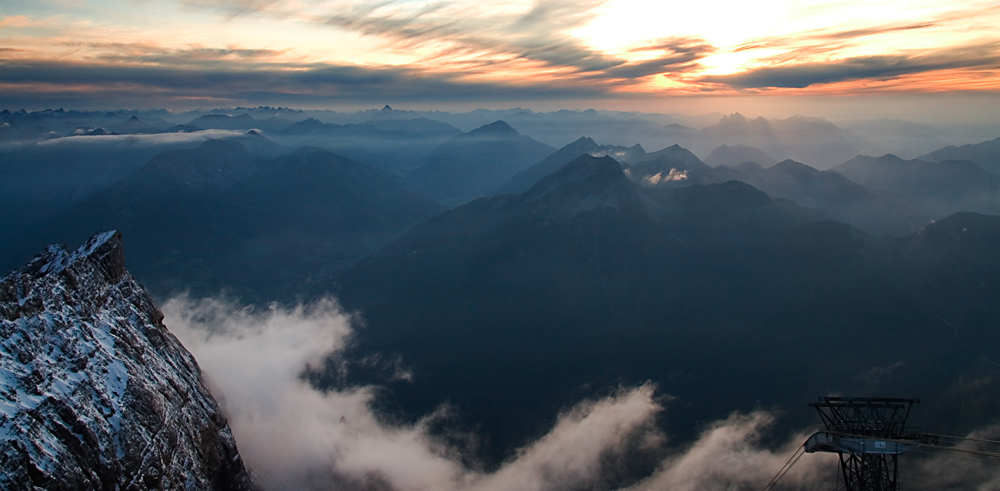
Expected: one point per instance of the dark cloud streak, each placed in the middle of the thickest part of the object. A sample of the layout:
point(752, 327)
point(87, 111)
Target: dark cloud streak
point(682, 55)
point(866, 67)
point(534, 35)
point(262, 82)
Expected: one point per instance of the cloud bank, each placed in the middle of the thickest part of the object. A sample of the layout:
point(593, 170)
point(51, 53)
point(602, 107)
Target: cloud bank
point(188, 53)
point(296, 437)
point(800, 75)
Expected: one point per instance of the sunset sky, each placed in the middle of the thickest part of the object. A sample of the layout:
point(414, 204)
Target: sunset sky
point(580, 53)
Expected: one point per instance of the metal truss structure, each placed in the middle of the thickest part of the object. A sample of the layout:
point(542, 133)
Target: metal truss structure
point(868, 433)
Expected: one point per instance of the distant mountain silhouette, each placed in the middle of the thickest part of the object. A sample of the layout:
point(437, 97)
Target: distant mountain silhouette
point(475, 163)
point(738, 129)
point(225, 122)
point(903, 138)
point(526, 178)
point(219, 217)
point(814, 141)
point(942, 188)
point(985, 154)
point(674, 166)
point(135, 125)
point(396, 145)
point(24, 128)
point(734, 155)
point(836, 196)
point(419, 126)
point(40, 180)
point(649, 134)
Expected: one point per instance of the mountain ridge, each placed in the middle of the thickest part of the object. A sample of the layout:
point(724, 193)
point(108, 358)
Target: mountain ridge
point(97, 393)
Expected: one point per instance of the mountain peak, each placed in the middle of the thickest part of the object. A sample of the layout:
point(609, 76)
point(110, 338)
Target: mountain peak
point(587, 166)
point(789, 164)
point(95, 383)
point(584, 168)
point(733, 118)
point(495, 129)
point(387, 108)
point(674, 154)
point(105, 249)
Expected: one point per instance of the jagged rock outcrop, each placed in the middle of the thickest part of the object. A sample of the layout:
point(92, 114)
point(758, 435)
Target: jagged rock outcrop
point(95, 393)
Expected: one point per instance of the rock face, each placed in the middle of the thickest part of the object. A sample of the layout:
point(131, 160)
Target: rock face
point(95, 393)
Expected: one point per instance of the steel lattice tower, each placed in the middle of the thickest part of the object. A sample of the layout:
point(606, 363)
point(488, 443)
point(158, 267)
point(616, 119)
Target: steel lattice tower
point(868, 433)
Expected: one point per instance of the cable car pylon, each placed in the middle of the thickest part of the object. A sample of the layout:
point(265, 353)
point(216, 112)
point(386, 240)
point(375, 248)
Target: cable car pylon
point(869, 434)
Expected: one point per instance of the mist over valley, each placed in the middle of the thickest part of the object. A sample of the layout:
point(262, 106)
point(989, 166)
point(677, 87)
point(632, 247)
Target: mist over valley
point(511, 299)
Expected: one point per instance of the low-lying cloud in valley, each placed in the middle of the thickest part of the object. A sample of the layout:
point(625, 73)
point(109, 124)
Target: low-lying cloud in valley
point(294, 436)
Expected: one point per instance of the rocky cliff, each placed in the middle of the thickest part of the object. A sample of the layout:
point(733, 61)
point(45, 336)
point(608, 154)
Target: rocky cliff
point(95, 393)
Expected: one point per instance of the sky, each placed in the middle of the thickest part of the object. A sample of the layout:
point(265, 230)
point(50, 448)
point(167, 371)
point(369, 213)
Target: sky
point(613, 54)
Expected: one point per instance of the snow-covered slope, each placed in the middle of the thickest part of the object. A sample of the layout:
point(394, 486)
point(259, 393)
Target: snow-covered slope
point(95, 393)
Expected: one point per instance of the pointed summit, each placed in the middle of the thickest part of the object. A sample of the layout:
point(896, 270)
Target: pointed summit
point(80, 324)
point(733, 118)
point(585, 167)
point(585, 184)
point(675, 163)
point(386, 109)
point(474, 164)
point(522, 181)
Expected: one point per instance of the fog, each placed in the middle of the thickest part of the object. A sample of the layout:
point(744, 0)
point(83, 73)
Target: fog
point(295, 437)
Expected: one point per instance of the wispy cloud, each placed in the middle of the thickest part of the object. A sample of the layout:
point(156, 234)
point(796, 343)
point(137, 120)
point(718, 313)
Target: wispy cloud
point(537, 32)
point(164, 76)
point(294, 436)
point(676, 55)
point(799, 75)
point(147, 53)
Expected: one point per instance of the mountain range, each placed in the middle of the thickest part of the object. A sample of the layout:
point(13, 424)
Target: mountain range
point(941, 188)
point(877, 213)
point(513, 306)
point(218, 216)
point(474, 164)
point(526, 178)
point(494, 282)
point(985, 154)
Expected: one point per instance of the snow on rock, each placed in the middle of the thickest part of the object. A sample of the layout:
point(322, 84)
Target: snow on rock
point(95, 393)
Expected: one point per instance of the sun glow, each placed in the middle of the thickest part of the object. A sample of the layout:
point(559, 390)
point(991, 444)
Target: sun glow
point(614, 46)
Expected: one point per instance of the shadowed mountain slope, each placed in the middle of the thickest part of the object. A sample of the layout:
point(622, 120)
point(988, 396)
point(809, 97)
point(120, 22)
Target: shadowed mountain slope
point(904, 138)
point(217, 216)
point(836, 196)
point(733, 155)
point(674, 165)
point(512, 307)
point(474, 164)
point(398, 145)
point(41, 179)
point(985, 154)
point(523, 180)
point(942, 188)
